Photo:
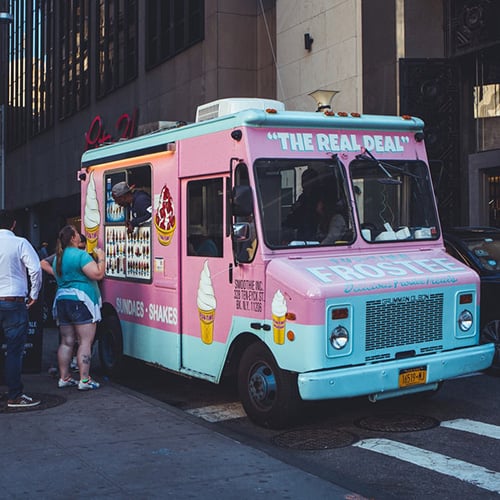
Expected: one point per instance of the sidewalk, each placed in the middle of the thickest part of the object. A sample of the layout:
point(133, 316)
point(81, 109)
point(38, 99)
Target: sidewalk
point(114, 443)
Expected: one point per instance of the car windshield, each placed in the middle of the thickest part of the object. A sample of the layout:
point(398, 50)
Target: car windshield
point(303, 202)
point(486, 250)
point(394, 200)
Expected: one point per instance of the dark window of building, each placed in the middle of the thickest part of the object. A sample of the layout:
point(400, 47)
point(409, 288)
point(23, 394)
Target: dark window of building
point(16, 123)
point(171, 27)
point(74, 85)
point(30, 70)
point(116, 44)
point(42, 93)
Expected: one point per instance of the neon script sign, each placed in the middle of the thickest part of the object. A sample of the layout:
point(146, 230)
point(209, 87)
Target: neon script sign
point(125, 128)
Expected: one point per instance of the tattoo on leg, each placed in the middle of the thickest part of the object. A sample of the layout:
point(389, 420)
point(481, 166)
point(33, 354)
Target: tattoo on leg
point(86, 359)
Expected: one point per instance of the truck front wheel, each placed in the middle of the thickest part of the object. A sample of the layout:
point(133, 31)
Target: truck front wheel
point(269, 395)
point(110, 344)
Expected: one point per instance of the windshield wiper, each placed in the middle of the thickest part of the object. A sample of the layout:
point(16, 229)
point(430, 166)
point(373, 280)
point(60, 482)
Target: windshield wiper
point(384, 166)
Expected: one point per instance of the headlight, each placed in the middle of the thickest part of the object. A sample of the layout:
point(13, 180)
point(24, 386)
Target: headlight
point(465, 320)
point(339, 337)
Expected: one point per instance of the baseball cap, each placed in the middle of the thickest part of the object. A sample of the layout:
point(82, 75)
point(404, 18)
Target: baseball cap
point(120, 189)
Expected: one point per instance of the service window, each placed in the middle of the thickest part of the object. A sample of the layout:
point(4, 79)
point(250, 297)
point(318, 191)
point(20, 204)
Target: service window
point(128, 224)
point(205, 217)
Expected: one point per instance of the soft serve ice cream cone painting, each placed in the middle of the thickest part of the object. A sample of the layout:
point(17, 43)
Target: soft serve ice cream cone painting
point(279, 310)
point(91, 215)
point(206, 305)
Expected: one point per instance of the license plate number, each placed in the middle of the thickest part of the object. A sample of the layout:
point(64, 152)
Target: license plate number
point(412, 376)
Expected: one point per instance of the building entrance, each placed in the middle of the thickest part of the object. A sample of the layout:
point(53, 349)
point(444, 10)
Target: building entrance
point(493, 180)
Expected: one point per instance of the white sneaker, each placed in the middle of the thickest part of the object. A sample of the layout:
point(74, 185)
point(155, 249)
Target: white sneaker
point(89, 385)
point(70, 382)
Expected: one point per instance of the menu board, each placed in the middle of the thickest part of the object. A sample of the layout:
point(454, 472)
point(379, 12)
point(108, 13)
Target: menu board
point(128, 255)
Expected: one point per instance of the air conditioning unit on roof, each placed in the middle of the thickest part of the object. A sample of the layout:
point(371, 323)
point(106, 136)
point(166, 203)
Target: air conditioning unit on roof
point(229, 106)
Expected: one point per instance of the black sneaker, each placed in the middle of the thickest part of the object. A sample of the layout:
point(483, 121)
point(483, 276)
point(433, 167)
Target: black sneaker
point(23, 401)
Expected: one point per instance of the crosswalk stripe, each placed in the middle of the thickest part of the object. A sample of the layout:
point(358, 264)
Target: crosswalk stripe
point(474, 427)
point(470, 473)
point(218, 413)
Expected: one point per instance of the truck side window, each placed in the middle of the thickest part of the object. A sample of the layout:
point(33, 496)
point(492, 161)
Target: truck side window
point(127, 220)
point(205, 217)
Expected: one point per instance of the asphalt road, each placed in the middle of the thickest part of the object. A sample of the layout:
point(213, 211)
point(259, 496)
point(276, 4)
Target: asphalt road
point(445, 446)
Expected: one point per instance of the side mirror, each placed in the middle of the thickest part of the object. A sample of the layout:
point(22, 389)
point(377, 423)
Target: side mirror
point(241, 232)
point(244, 244)
point(242, 201)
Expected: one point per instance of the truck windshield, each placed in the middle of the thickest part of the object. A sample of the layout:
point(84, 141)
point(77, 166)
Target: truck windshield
point(303, 202)
point(394, 200)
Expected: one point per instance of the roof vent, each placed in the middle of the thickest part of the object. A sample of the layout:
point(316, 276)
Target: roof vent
point(229, 106)
point(148, 128)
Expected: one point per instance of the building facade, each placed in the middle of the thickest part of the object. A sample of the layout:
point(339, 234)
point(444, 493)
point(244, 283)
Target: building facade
point(84, 72)
point(436, 59)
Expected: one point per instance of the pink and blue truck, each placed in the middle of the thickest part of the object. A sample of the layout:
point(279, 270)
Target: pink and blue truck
point(298, 252)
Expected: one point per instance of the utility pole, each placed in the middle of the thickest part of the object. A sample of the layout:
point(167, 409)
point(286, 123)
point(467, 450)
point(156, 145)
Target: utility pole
point(5, 20)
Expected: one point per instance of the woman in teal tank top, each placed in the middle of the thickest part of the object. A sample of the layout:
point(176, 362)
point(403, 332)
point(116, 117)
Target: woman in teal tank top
point(77, 305)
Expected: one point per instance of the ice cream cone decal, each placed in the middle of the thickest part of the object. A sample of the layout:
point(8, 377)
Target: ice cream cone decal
point(165, 217)
point(92, 216)
point(279, 311)
point(206, 305)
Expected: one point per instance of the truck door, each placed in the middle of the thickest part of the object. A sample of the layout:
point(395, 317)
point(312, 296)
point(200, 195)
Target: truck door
point(206, 308)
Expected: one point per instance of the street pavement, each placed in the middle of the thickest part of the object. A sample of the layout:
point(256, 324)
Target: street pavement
point(115, 443)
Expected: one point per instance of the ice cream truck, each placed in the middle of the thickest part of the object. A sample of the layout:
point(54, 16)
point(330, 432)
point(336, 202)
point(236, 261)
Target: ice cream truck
point(298, 252)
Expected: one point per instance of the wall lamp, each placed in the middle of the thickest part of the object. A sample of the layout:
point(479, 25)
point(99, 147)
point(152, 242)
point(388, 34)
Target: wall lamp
point(308, 41)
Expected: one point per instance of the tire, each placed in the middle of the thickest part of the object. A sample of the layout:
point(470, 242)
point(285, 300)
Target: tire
point(491, 334)
point(269, 395)
point(110, 345)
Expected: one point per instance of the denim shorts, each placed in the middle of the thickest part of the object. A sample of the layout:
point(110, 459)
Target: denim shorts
point(72, 312)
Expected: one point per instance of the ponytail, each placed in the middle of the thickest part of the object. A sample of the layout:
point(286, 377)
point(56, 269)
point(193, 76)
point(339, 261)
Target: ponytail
point(65, 235)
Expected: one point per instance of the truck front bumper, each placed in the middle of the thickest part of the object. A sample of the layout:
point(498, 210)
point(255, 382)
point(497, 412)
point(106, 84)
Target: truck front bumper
point(381, 380)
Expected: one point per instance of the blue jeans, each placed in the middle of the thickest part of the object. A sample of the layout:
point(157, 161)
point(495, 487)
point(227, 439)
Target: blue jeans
point(14, 322)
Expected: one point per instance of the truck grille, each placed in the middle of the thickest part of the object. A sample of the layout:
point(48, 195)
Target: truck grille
point(404, 321)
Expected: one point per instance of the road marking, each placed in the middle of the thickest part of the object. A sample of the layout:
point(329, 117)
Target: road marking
point(218, 413)
point(480, 428)
point(470, 473)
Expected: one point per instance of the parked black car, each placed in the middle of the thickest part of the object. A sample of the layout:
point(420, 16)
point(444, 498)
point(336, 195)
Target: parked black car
point(479, 248)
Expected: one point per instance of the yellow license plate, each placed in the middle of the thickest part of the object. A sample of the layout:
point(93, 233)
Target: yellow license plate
point(413, 376)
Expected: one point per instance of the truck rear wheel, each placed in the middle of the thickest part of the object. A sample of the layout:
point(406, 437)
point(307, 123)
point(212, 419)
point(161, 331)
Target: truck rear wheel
point(110, 344)
point(269, 395)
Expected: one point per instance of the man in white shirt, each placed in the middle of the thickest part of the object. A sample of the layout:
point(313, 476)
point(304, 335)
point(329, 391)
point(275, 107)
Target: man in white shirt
point(17, 260)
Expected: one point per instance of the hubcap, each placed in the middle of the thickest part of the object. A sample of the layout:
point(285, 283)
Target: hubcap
point(262, 386)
